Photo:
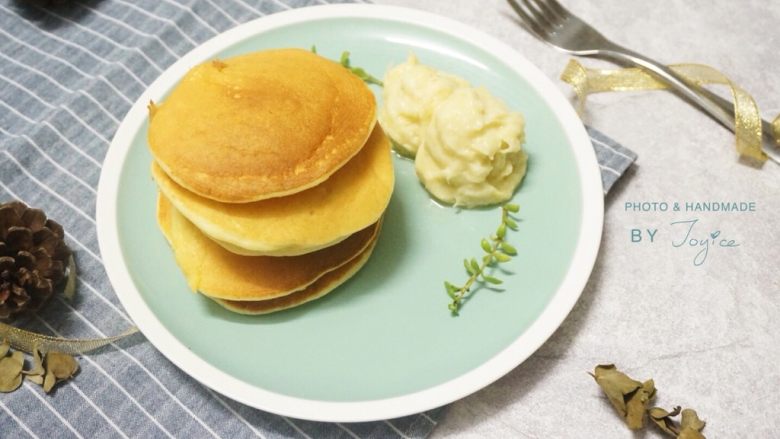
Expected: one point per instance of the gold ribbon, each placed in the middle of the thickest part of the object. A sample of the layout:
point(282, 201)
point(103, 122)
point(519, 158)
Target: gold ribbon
point(747, 118)
point(31, 342)
point(28, 341)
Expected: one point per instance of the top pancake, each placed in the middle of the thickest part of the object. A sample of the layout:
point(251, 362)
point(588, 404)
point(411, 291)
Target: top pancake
point(261, 125)
point(350, 200)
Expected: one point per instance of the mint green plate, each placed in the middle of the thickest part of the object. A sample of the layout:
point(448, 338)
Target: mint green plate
point(383, 344)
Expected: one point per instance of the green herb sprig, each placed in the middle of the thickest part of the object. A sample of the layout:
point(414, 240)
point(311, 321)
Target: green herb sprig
point(360, 72)
point(496, 249)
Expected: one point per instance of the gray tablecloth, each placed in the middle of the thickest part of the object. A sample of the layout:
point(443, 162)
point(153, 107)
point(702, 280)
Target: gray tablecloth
point(68, 74)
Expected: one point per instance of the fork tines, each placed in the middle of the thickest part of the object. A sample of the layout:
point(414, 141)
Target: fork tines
point(540, 16)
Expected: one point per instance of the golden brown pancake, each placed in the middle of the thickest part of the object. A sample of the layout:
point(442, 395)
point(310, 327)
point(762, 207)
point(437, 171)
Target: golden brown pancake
point(322, 286)
point(261, 125)
point(350, 200)
point(218, 273)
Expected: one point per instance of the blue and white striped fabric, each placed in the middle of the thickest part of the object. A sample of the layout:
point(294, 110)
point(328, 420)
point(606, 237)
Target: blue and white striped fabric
point(68, 74)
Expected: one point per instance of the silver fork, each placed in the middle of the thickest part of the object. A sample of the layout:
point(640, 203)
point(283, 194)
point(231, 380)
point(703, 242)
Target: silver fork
point(555, 25)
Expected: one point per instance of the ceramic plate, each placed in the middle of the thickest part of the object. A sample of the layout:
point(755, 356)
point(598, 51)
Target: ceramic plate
point(384, 344)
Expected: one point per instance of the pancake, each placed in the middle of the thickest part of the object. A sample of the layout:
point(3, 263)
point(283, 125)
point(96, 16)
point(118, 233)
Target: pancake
point(350, 200)
point(261, 125)
point(218, 273)
point(322, 286)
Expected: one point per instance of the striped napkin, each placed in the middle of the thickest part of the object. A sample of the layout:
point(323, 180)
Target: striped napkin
point(68, 74)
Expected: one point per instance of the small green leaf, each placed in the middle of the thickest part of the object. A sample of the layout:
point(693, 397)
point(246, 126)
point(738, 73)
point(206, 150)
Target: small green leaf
point(475, 266)
point(486, 246)
point(510, 223)
point(501, 232)
point(492, 280)
point(467, 265)
point(514, 208)
point(313, 49)
point(451, 289)
point(508, 249)
point(362, 74)
point(344, 61)
point(500, 257)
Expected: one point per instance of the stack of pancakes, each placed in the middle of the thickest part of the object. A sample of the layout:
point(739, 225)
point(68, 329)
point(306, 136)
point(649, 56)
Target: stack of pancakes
point(273, 177)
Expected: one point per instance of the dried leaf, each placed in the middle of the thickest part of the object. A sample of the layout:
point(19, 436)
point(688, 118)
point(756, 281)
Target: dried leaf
point(37, 379)
point(59, 367)
point(37, 369)
point(48, 382)
point(691, 420)
point(688, 433)
point(4, 348)
point(616, 385)
point(11, 372)
point(636, 405)
point(691, 426)
point(663, 419)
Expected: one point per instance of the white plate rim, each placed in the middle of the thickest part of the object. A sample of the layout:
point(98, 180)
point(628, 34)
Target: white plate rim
point(518, 351)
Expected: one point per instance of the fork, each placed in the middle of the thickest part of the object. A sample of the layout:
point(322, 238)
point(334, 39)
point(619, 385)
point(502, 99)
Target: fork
point(549, 21)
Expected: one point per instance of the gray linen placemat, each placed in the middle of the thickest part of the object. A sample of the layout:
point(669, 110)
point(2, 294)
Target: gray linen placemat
point(68, 74)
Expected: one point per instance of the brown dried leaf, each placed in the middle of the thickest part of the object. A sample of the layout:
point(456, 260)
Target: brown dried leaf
point(48, 382)
point(37, 369)
point(664, 421)
point(37, 379)
point(11, 372)
point(688, 433)
point(35, 374)
point(59, 367)
point(690, 419)
point(691, 425)
point(636, 405)
point(616, 385)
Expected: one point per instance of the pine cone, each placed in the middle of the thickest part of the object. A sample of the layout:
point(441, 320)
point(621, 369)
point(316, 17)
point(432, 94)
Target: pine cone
point(33, 258)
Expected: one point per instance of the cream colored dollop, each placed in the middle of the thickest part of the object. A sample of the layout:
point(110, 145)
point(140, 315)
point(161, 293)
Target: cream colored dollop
point(472, 153)
point(410, 93)
point(468, 143)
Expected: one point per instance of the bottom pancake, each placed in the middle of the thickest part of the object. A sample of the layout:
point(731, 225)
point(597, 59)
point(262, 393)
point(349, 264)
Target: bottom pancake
point(220, 274)
point(322, 286)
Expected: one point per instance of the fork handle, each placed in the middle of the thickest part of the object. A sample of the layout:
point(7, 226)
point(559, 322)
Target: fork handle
point(718, 108)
